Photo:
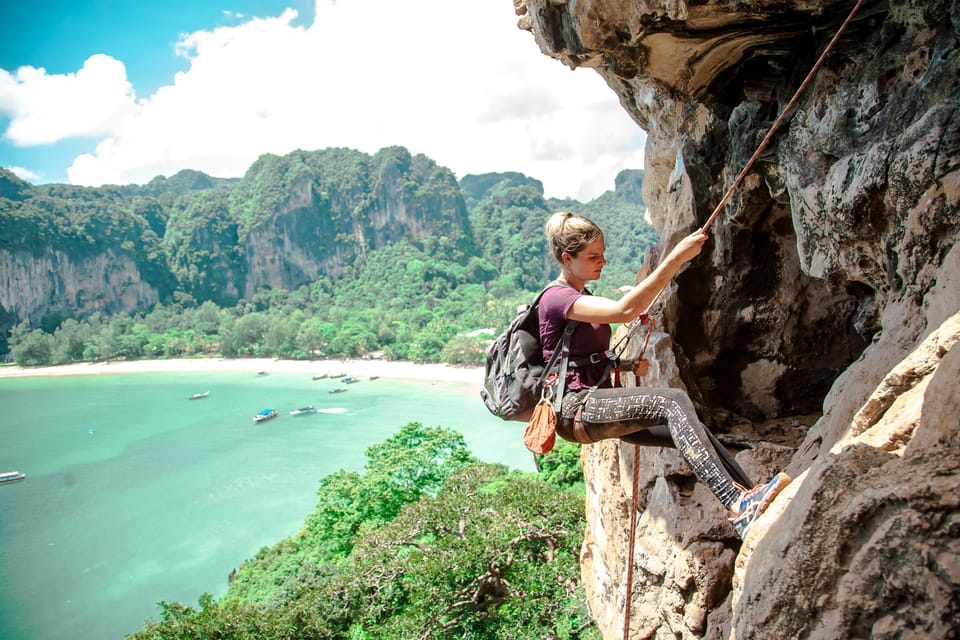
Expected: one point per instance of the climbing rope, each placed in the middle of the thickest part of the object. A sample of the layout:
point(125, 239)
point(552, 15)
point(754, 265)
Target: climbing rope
point(635, 502)
point(634, 507)
point(783, 115)
point(644, 317)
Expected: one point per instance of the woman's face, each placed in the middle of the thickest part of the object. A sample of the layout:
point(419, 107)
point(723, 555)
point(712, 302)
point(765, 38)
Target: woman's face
point(589, 261)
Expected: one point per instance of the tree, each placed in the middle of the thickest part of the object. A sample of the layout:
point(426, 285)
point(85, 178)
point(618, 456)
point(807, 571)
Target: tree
point(464, 349)
point(414, 462)
point(31, 346)
point(69, 340)
point(562, 465)
point(493, 557)
point(334, 524)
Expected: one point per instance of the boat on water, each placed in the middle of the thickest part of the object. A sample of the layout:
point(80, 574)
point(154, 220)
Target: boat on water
point(374, 377)
point(199, 396)
point(321, 376)
point(12, 476)
point(304, 411)
point(337, 390)
point(260, 374)
point(350, 379)
point(266, 414)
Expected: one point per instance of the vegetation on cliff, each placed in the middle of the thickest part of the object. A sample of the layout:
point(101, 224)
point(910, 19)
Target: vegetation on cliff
point(425, 543)
point(383, 253)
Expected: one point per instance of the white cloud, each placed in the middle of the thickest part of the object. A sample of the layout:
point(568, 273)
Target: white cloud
point(25, 174)
point(44, 108)
point(455, 81)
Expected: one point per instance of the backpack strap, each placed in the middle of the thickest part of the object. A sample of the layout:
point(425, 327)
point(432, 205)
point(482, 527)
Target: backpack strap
point(561, 351)
point(564, 349)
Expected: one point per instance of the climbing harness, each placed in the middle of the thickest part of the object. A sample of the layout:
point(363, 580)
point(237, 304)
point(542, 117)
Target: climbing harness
point(736, 183)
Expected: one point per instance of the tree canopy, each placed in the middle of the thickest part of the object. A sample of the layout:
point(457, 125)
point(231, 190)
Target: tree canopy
point(425, 543)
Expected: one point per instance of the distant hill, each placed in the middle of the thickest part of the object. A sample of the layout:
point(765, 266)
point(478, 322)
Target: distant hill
point(68, 251)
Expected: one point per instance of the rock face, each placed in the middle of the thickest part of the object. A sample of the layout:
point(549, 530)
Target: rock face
point(815, 332)
point(56, 281)
point(319, 228)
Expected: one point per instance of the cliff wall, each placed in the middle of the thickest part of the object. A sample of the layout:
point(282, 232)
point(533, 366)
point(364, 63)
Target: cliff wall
point(34, 285)
point(322, 224)
point(815, 332)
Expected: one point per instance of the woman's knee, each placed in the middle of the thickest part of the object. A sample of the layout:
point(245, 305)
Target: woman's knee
point(676, 396)
point(669, 398)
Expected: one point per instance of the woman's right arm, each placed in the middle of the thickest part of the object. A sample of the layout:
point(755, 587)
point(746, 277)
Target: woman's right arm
point(638, 299)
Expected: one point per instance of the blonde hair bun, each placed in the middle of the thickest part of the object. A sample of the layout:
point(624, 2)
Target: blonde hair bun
point(570, 233)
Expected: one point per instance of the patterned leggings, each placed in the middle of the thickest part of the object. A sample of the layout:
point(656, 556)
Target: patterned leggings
point(637, 415)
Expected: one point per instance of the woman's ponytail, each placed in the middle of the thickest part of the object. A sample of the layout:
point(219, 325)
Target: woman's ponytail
point(569, 233)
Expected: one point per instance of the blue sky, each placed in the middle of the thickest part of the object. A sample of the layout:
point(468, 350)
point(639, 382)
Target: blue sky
point(110, 91)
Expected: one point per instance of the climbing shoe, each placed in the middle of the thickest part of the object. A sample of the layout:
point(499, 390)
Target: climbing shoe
point(754, 502)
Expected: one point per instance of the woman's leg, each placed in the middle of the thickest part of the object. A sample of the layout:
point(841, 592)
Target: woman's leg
point(660, 437)
point(637, 415)
point(654, 436)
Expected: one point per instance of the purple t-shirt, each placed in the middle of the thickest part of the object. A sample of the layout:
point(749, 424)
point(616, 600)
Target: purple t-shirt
point(587, 338)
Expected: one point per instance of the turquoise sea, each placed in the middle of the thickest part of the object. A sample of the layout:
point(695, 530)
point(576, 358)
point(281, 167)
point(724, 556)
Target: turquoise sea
point(136, 495)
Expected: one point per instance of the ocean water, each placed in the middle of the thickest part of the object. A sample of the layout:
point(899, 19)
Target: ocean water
point(135, 495)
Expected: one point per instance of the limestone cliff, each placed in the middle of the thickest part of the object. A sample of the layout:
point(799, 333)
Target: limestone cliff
point(323, 221)
point(70, 251)
point(32, 286)
point(815, 332)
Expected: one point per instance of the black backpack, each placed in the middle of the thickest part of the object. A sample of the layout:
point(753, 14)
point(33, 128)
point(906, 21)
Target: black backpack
point(515, 370)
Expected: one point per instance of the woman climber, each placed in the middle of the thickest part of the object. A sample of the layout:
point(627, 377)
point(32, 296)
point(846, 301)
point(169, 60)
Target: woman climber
point(592, 409)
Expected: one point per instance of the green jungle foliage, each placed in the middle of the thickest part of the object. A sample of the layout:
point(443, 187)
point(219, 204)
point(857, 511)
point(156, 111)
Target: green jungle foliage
point(434, 285)
point(425, 543)
point(562, 466)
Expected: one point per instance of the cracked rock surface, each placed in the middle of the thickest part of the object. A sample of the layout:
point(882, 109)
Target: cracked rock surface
point(815, 333)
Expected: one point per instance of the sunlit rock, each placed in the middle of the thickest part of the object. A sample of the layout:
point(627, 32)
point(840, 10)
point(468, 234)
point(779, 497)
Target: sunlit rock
point(816, 331)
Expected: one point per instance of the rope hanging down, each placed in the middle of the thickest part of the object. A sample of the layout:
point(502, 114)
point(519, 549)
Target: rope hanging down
point(635, 502)
point(634, 507)
point(643, 318)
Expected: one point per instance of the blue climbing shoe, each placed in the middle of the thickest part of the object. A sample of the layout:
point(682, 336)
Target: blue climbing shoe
point(754, 502)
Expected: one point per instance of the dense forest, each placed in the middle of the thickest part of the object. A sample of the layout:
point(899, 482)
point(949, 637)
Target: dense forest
point(316, 254)
point(426, 542)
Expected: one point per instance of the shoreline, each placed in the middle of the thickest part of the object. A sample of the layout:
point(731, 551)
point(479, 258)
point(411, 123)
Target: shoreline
point(435, 372)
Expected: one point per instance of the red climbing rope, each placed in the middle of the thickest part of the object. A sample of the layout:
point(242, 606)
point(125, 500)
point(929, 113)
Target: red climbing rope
point(783, 114)
point(635, 502)
point(634, 507)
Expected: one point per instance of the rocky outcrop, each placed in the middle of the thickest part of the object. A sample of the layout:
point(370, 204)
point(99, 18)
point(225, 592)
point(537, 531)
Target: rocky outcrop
point(320, 226)
point(816, 331)
point(55, 282)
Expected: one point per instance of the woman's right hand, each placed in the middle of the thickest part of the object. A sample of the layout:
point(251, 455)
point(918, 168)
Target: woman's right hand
point(689, 247)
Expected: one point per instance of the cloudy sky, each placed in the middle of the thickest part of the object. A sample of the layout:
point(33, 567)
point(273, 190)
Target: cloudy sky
point(120, 91)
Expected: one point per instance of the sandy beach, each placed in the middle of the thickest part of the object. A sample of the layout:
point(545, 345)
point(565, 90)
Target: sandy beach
point(358, 368)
